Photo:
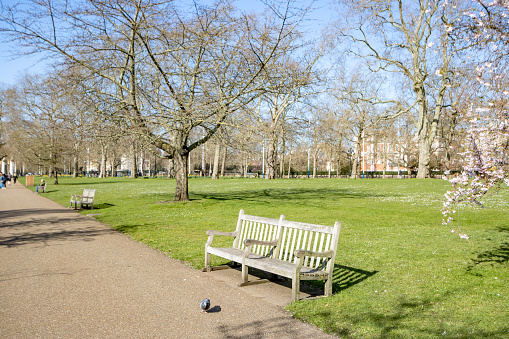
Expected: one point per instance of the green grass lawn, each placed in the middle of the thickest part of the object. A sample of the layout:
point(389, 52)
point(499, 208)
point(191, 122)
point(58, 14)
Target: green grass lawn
point(399, 272)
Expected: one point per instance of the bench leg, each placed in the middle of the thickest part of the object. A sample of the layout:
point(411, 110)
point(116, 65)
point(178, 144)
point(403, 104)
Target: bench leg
point(295, 287)
point(328, 287)
point(245, 270)
point(207, 262)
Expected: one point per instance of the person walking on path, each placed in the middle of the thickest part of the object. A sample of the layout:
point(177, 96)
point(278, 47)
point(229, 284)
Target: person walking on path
point(3, 180)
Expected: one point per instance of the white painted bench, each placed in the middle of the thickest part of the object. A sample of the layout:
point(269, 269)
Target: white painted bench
point(291, 249)
point(86, 199)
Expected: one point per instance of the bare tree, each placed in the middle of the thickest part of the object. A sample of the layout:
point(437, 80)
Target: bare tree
point(333, 132)
point(36, 111)
point(413, 39)
point(169, 70)
point(357, 94)
point(287, 82)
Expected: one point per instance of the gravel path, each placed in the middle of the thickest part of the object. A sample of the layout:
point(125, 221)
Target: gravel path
point(64, 275)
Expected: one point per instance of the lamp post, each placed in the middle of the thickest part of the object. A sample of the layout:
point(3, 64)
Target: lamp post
point(309, 150)
point(88, 162)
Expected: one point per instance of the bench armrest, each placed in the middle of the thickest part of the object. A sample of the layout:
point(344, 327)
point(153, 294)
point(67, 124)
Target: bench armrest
point(75, 196)
point(228, 234)
point(304, 253)
point(212, 233)
point(300, 254)
point(249, 242)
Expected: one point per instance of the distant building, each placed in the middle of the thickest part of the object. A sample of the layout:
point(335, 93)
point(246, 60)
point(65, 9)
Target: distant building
point(387, 156)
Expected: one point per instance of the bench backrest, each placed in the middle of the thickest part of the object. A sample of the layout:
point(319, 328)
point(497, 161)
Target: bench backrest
point(291, 236)
point(88, 194)
point(256, 228)
point(302, 236)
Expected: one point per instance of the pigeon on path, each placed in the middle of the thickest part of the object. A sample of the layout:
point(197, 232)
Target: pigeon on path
point(205, 305)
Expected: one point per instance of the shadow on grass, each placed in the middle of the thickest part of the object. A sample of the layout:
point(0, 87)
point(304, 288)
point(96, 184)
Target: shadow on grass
point(127, 229)
point(91, 183)
point(400, 321)
point(345, 277)
point(102, 206)
point(297, 195)
point(498, 255)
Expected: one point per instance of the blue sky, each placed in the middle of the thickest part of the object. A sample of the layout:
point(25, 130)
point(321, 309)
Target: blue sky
point(12, 69)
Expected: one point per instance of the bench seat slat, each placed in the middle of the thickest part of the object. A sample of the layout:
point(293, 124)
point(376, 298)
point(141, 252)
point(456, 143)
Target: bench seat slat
point(230, 253)
point(282, 268)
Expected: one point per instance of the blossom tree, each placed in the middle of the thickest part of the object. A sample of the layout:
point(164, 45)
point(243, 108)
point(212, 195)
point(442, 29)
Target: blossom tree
point(485, 156)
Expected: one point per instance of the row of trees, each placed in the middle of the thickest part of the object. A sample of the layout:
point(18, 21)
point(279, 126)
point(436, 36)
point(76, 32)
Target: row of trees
point(51, 128)
point(171, 77)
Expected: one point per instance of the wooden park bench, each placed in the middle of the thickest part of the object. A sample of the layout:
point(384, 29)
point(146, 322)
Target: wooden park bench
point(291, 249)
point(86, 199)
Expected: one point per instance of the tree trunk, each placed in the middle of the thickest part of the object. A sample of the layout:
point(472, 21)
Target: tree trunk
point(114, 163)
point(102, 173)
point(289, 164)
point(142, 161)
point(203, 166)
point(245, 165)
point(113, 168)
point(271, 160)
point(282, 165)
point(215, 172)
point(56, 177)
point(355, 164)
point(181, 185)
point(282, 158)
point(74, 166)
point(171, 168)
point(133, 168)
point(422, 132)
point(330, 168)
point(51, 166)
point(224, 161)
point(424, 158)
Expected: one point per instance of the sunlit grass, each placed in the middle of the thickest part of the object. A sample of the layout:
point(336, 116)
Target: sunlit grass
point(399, 272)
